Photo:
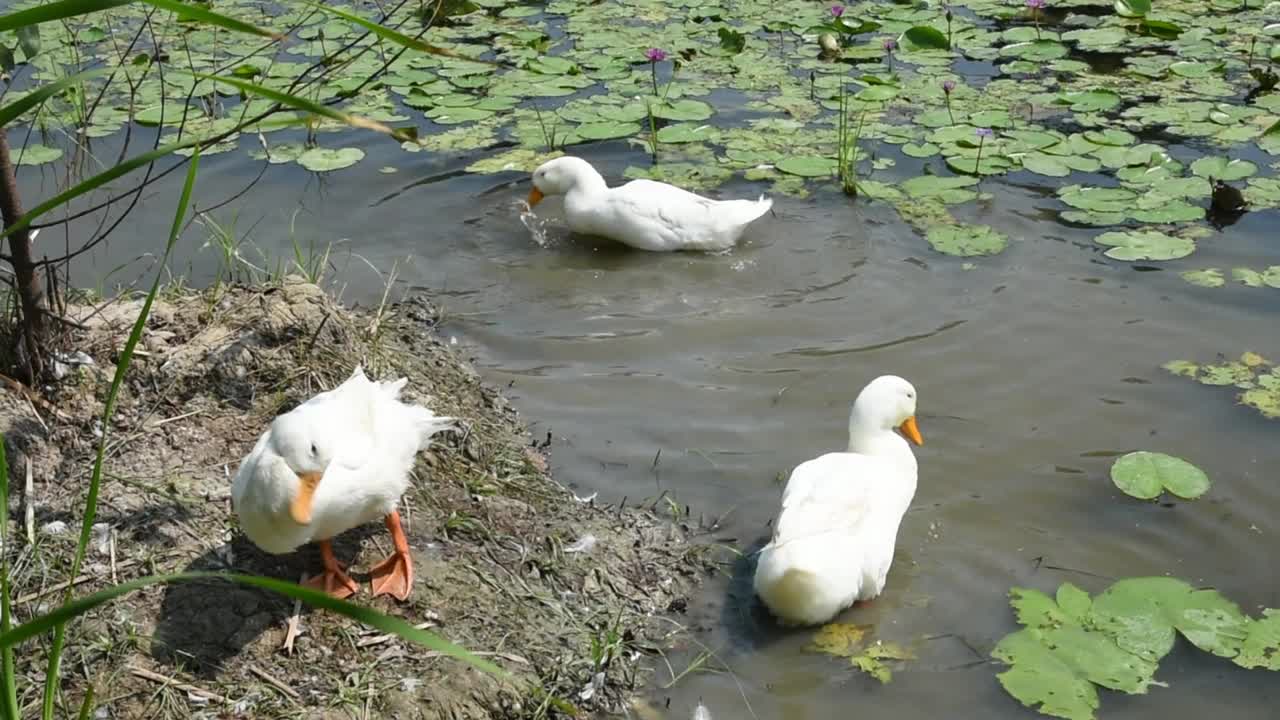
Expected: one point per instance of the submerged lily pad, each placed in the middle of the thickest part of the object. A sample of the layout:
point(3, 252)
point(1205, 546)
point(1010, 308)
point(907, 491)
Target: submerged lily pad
point(36, 154)
point(946, 189)
point(1144, 245)
point(1145, 475)
point(847, 641)
point(1209, 277)
point(966, 240)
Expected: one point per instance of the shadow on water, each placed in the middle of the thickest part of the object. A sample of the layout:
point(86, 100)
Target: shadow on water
point(747, 622)
point(205, 623)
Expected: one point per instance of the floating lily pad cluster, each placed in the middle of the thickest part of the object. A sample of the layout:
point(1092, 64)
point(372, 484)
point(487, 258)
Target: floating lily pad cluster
point(1072, 644)
point(1094, 93)
point(1257, 379)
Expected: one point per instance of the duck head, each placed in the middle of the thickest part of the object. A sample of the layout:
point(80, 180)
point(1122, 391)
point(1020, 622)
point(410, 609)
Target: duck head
point(885, 404)
point(306, 448)
point(559, 176)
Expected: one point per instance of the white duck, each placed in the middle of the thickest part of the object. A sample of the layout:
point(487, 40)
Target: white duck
point(644, 214)
point(834, 539)
point(338, 460)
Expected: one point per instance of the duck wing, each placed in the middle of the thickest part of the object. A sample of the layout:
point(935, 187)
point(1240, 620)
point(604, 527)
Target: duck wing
point(834, 494)
point(677, 217)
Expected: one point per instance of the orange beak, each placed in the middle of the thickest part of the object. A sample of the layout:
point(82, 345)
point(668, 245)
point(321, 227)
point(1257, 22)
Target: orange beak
point(535, 197)
point(300, 508)
point(912, 432)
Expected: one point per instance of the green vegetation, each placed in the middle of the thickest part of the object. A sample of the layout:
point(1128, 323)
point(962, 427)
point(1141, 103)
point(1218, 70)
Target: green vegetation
point(1145, 475)
point(1256, 377)
point(1073, 643)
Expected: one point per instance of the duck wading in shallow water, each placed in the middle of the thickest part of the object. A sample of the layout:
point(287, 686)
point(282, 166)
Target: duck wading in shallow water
point(644, 214)
point(834, 538)
point(338, 460)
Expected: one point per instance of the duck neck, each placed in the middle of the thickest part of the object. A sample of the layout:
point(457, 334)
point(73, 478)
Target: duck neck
point(589, 182)
point(872, 436)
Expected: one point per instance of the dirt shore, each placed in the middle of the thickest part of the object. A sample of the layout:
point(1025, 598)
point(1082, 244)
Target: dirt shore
point(574, 598)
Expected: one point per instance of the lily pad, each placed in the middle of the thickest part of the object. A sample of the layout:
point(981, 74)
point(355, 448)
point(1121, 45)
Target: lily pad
point(1220, 168)
point(1043, 681)
point(945, 188)
point(36, 154)
point(1209, 277)
point(1098, 199)
point(606, 130)
point(966, 240)
point(1261, 648)
point(1145, 475)
point(1143, 613)
point(808, 166)
point(1256, 377)
point(330, 159)
point(683, 110)
point(1144, 245)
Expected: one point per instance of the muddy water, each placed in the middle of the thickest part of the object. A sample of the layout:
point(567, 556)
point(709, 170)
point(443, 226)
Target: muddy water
point(708, 377)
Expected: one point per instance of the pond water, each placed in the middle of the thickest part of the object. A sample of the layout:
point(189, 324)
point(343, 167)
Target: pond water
point(708, 377)
point(1034, 368)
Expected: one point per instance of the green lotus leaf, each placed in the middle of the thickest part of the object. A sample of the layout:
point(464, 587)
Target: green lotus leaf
point(330, 159)
point(1221, 168)
point(607, 130)
point(1144, 245)
point(1098, 199)
point(1145, 475)
point(1090, 100)
point(36, 154)
point(808, 166)
point(1209, 277)
point(966, 240)
point(947, 189)
point(682, 110)
point(920, 151)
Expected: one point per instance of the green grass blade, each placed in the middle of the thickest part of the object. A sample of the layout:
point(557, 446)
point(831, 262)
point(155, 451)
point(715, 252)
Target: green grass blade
point(200, 14)
point(95, 481)
point(56, 11)
point(71, 8)
point(95, 182)
point(304, 104)
point(13, 110)
point(386, 623)
point(8, 685)
point(86, 706)
point(397, 38)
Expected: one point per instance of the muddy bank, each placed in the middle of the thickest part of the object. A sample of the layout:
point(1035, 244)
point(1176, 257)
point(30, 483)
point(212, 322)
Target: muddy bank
point(573, 597)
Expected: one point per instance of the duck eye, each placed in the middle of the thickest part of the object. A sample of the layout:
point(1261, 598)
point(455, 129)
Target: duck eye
point(313, 448)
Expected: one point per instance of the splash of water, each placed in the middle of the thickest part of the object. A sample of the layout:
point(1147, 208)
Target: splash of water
point(537, 226)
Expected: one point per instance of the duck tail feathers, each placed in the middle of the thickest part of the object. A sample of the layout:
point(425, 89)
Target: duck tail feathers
point(427, 423)
point(762, 206)
point(391, 389)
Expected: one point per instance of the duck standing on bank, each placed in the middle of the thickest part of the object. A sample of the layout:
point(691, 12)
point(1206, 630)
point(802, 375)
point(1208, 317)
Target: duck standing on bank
point(338, 460)
point(643, 214)
point(834, 539)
